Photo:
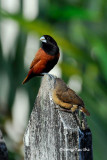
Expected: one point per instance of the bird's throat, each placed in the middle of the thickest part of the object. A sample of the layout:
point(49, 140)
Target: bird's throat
point(50, 49)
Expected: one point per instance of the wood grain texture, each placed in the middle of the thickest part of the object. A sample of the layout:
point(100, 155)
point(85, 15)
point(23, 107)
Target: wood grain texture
point(52, 134)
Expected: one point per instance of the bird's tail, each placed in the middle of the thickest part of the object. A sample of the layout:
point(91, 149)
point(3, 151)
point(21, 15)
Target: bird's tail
point(85, 111)
point(26, 79)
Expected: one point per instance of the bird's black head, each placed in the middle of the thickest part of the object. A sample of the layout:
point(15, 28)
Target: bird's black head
point(49, 45)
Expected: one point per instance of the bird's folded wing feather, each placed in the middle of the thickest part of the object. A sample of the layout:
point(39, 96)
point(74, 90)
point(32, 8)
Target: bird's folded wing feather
point(38, 68)
point(70, 96)
point(35, 61)
point(37, 57)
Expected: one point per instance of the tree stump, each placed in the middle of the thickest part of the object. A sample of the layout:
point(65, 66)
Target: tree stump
point(52, 134)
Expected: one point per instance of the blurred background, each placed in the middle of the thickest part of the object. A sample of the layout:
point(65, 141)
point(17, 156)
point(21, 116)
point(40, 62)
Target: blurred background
point(80, 29)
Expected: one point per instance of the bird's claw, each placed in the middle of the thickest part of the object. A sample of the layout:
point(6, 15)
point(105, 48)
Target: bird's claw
point(50, 75)
point(64, 110)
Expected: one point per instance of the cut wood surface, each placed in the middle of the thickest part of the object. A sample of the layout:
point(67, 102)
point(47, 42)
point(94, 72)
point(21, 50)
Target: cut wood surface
point(52, 134)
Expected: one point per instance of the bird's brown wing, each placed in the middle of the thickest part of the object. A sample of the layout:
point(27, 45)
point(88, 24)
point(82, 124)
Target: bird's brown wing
point(70, 96)
point(35, 60)
point(75, 98)
point(35, 70)
point(37, 57)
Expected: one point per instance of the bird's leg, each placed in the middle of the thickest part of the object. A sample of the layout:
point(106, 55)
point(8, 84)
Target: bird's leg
point(70, 110)
point(60, 109)
point(65, 110)
point(50, 75)
point(56, 107)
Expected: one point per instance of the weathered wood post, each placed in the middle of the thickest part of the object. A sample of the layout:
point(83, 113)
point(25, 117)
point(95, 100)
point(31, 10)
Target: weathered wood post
point(3, 148)
point(53, 134)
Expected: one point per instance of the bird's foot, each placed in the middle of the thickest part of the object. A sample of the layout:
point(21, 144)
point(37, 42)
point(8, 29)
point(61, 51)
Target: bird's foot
point(64, 110)
point(50, 75)
point(56, 107)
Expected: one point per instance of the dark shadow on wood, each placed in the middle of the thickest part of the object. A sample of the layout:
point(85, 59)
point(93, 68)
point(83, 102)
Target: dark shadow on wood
point(3, 148)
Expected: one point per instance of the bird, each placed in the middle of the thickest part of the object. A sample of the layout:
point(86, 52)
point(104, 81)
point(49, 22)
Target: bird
point(45, 59)
point(67, 98)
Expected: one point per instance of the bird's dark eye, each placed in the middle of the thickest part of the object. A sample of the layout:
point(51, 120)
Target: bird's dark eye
point(48, 38)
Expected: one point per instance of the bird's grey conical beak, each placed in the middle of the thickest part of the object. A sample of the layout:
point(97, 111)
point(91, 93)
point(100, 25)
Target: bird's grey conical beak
point(43, 39)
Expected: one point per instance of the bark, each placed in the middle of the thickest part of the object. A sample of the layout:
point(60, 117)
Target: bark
point(52, 134)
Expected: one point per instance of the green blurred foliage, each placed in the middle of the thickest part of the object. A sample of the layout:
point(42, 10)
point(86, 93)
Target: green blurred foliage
point(79, 27)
